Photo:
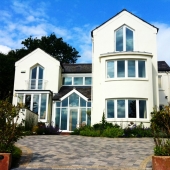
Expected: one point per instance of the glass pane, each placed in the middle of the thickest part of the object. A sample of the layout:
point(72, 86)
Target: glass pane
point(34, 73)
point(57, 118)
point(110, 69)
point(33, 83)
point(58, 104)
point(132, 108)
point(141, 68)
point(119, 39)
point(82, 103)
point(142, 109)
point(73, 119)
point(131, 68)
point(20, 98)
point(28, 101)
point(110, 108)
point(89, 117)
point(88, 104)
point(120, 68)
point(67, 80)
point(35, 103)
point(43, 106)
point(120, 108)
point(73, 100)
point(64, 119)
point(65, 102)
point(78, 80)
point(129, 40)
point(40, 84)
point(82, 117)
point(40, 73)
point(88, 80)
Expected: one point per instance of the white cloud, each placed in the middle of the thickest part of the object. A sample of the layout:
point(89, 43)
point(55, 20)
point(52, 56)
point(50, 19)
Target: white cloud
point(163, 42)
point(4, 49)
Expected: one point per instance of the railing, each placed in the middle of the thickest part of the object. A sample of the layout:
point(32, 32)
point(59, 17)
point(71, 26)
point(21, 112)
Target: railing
point(36, 84)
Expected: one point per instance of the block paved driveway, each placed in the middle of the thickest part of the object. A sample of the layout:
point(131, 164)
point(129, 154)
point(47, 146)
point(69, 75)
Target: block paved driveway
point(78, 152)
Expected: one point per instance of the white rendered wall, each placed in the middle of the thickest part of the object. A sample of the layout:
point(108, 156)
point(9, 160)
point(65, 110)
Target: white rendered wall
point(103, 43)
point(165, 88)
point(51, 71)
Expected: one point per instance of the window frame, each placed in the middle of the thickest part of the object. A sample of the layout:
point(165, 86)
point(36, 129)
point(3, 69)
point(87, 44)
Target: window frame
point(115, 69)
point(126, 109)
point(124, 37)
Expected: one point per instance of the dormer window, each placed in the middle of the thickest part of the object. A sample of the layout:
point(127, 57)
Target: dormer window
point(124, 39)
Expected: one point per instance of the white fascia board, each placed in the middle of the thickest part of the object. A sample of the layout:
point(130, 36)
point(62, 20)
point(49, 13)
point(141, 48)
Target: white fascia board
point(77, 75)
point(33, 92)
point(74, 91)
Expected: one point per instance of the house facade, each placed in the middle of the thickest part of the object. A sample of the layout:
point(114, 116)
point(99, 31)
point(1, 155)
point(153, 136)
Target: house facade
point(121, 82)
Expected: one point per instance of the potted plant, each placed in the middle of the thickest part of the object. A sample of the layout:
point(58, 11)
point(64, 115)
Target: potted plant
point(10, 131)
point(160, 125)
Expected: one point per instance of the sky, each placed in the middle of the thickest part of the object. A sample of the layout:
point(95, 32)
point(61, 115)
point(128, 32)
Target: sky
point(73, 20)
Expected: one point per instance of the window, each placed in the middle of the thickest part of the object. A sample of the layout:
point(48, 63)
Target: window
point(126, 108)
point(159, 82)
point(78, 81)
point(124, 39)
point(67, 80)
point(36, 78)
point(125, 69)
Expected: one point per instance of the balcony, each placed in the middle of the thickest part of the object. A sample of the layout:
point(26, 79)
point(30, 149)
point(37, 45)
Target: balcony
point(36, 84)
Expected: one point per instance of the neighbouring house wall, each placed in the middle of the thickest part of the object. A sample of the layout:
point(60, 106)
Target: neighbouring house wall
point(164, 89)
point(103, 48)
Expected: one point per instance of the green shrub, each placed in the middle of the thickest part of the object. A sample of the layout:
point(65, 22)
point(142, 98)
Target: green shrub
point(10, 129)
point(90, 132)
point(112, 132)
point(16, 154)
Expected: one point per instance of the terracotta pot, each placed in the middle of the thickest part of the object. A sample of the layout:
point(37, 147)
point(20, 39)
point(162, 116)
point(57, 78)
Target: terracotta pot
point(161, 162)
point(5, 161)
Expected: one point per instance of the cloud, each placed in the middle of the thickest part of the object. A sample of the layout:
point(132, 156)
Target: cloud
point(163, 42)
point(4, 49)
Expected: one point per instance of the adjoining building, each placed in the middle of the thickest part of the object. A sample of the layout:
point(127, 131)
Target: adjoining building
point(121, 82)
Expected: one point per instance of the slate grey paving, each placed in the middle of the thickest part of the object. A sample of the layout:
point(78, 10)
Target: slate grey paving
point(78, 152)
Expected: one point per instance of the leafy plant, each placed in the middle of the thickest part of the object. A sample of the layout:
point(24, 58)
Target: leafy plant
point(112, 132)
point(10, 129)
point(16, 154)
point(160, 125)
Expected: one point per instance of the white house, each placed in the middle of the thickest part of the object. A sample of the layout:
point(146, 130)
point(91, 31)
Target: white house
point(121, 82)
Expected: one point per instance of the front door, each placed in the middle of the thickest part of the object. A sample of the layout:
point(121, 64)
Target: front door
point(73, 121)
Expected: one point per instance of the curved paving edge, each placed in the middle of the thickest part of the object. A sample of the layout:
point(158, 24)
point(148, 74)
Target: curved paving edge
point(26, 155)
point(144, 162)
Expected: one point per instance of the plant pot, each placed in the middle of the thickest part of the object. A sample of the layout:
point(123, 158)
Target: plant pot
point(5, 161)
point(161, 162)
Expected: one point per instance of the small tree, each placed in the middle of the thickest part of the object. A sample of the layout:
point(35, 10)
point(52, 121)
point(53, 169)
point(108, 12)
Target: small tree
point(160, 125)
point(10, 129)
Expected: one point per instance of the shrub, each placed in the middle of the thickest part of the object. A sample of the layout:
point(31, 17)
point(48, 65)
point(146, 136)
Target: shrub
point(16, 154)
point(160, 125)
point(112, 132)
point(137, 131)
point(10, 129)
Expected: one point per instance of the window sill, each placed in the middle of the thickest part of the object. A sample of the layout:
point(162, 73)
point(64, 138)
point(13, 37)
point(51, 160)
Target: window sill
point(160, 89)
point(127, 79)
point(127, 119)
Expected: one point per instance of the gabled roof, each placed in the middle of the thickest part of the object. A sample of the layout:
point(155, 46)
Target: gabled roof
point(163, 66)
point(84, 90)
point(117, 15)
point(77, 68)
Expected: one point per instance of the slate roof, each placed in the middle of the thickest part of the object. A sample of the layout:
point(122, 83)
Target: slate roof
point(77, 68)
point(118, 14)
point(163, 66)
point(84, 90)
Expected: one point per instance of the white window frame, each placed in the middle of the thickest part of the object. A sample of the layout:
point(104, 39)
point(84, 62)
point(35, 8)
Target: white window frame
point(126, 109)
point(126, 69)
point(124, 37)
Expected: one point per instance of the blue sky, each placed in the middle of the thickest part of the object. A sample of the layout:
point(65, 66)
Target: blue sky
point(74, 19)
